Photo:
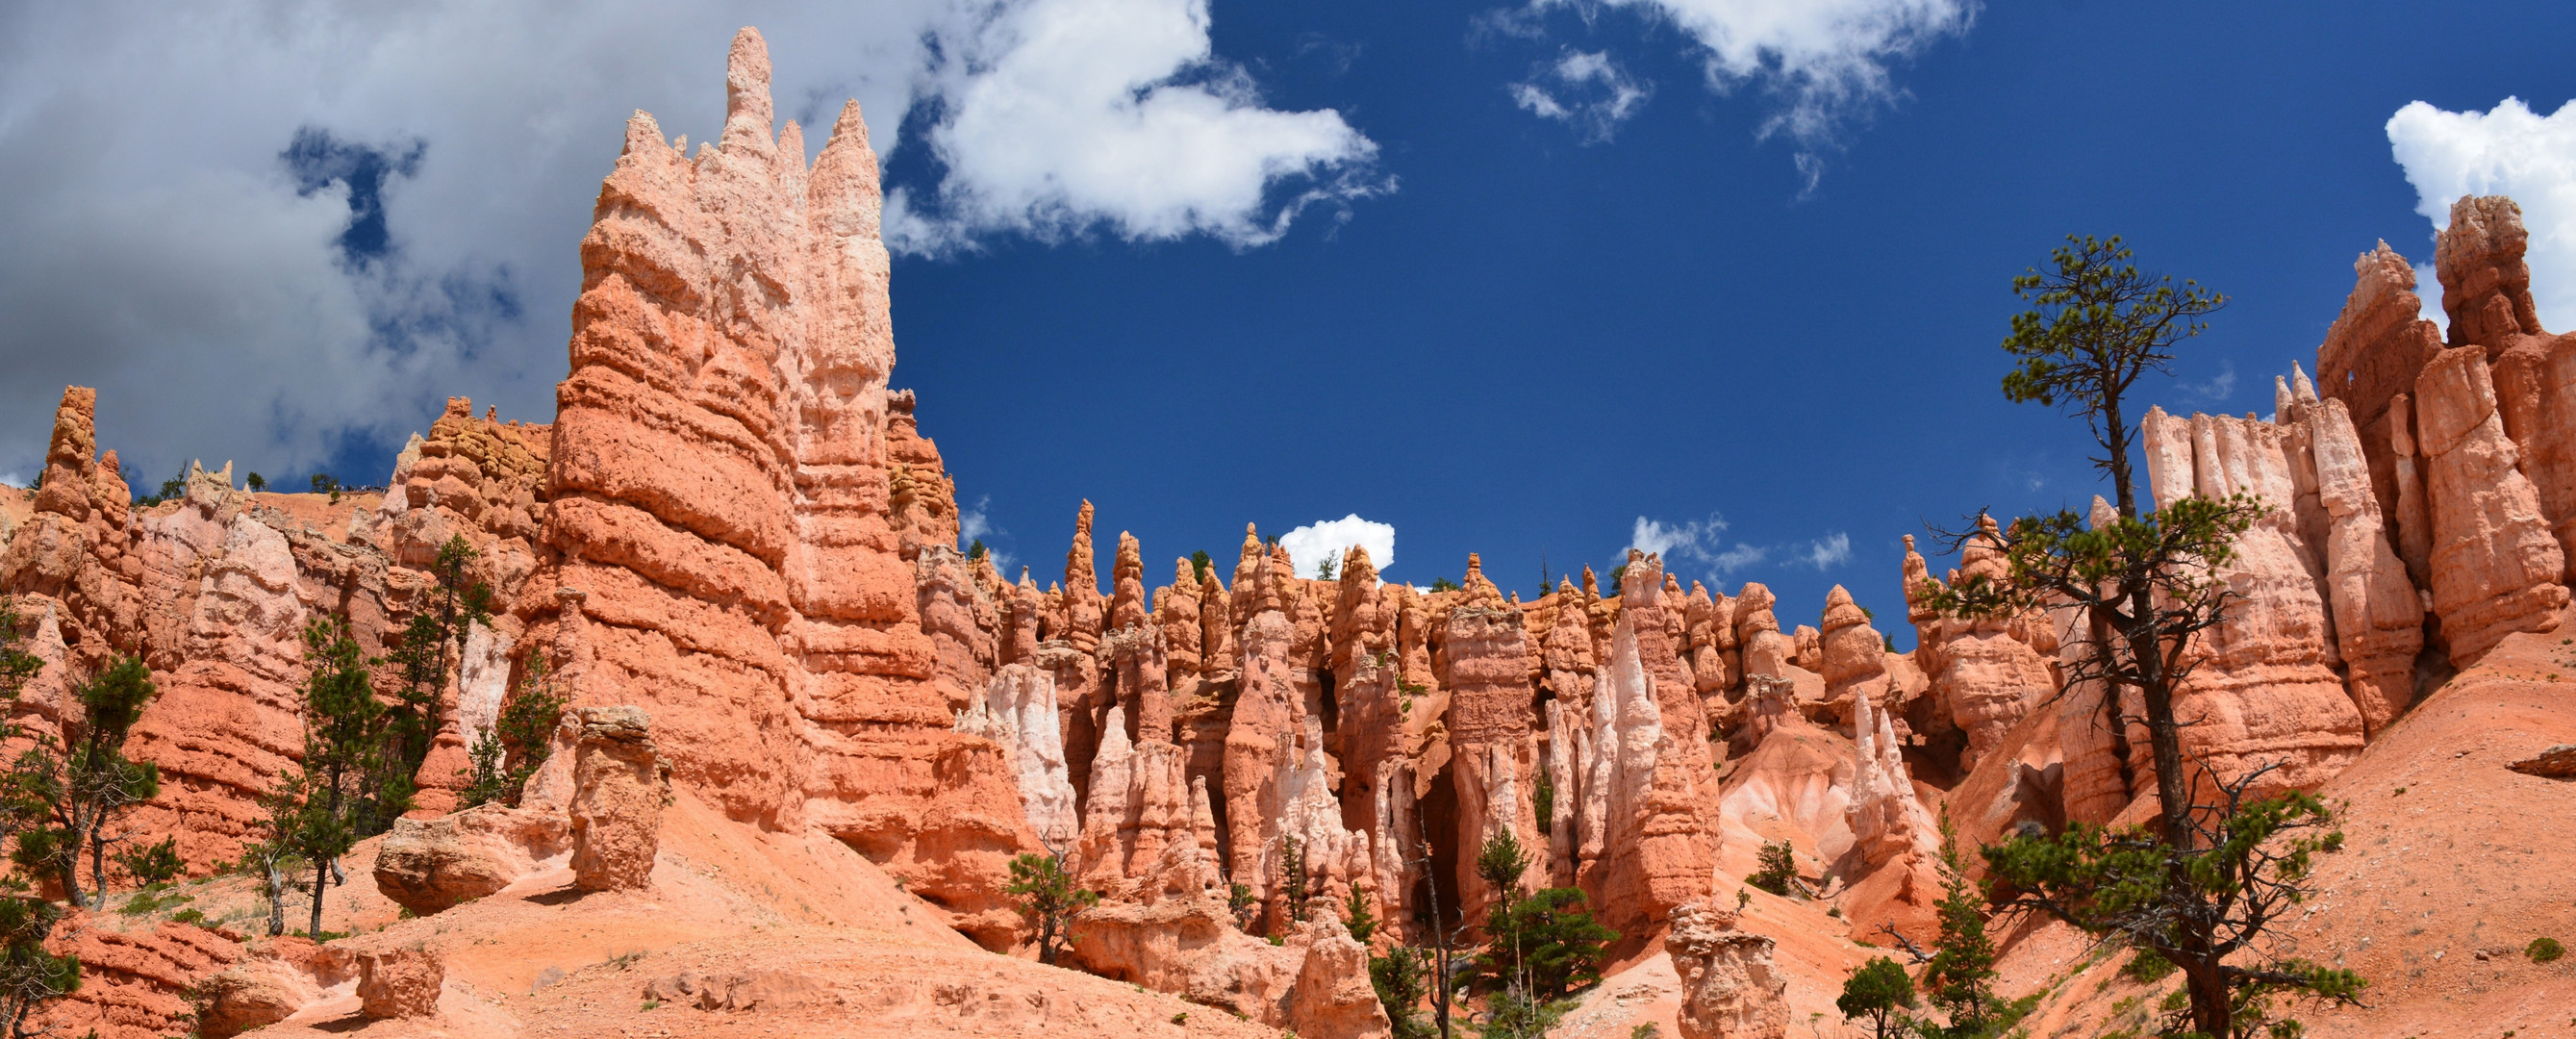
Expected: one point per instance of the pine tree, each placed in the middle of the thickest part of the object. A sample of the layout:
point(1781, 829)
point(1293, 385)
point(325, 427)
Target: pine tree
point(80, 788)
point(508, 754)
point(1292, 875)
point(1545, 945)
point(1401, 978)
point(1881, 992)
point(1357, 916)
point(428, 654)
point(1960, 977)
point(1777, 868)
point(1049, 898)
point(346, 788)
point(2202, 883)
point(30, 974)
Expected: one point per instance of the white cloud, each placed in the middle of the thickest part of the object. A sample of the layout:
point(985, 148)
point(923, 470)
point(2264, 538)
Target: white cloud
point(1315, 542)
point(1699, 541)
point(2219, 387)
point(1825, 62)
point(163, 248)
point(2507, 150)
point(1828, 551)
point(1738, 558)
point(1669, 541)
point(1590, 92)
point(975, 524)
point(1061, 115)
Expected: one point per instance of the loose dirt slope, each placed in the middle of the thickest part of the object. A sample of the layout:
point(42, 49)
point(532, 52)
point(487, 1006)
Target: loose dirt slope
point(799, 936)
point(2454, 864)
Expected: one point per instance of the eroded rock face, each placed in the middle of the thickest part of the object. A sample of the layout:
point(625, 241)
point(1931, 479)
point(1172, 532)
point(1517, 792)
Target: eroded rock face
point(1189, 947)
point(618, 795)
point(1489, 729)
point(2496, 567)
point(400, 983)
point(725, 509)
point(1019, 712)
point(2486, 290)
point(1854, 654)
point(1333, 997)
point(2369, 361)
point(1730, 989)
point(2378, 620)
point(252, 995)
point(2266, 689)
point(427, 865)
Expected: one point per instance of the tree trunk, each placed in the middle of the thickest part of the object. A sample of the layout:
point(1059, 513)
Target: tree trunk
point(2164, 737)
point(321, 874)
point(71, 874)
point(2210, 1013)
point(276, 901)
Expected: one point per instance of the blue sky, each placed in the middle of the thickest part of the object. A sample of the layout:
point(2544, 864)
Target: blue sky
point(1497, 331)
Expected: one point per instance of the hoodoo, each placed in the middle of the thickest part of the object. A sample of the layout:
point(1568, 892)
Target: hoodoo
point(813, 754)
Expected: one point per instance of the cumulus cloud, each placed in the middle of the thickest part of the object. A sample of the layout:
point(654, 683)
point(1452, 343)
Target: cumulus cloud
point(1824, 63)
point(1308, 546)
point(1586, 90)
point(2506, 150)
point(1057, 116)
point(269, 231)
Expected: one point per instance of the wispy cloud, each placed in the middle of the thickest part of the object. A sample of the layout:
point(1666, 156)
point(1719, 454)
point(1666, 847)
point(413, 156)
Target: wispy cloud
point(2218, 387)
point(1829, 551)
point(1586, 90)
point(1699, 541)
point(1825, 64)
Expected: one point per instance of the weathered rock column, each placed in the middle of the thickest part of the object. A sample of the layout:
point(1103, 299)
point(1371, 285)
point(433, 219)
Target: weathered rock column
point(618, 795)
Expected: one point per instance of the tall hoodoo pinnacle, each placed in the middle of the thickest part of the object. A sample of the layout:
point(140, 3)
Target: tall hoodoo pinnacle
point(747, 109)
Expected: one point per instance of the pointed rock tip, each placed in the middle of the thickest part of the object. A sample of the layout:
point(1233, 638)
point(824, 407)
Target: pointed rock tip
point(747, 106)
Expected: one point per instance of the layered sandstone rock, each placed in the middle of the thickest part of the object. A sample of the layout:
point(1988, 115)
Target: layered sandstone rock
point(2378, 620)
point(2496, 568)
point(1333, 996)
point(251, 995)
point(2486, 290)
point(1492, 755)
point(1018, 712)
point(1854, 654)
point(1730, 987)
point(400, 983)
point(618, 794)
point(722, 476)
point(1647, 832)
point(431, 864)
point(2369, 361)
point(1313, 982)
point(1984, 669)
point(2265, 690)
